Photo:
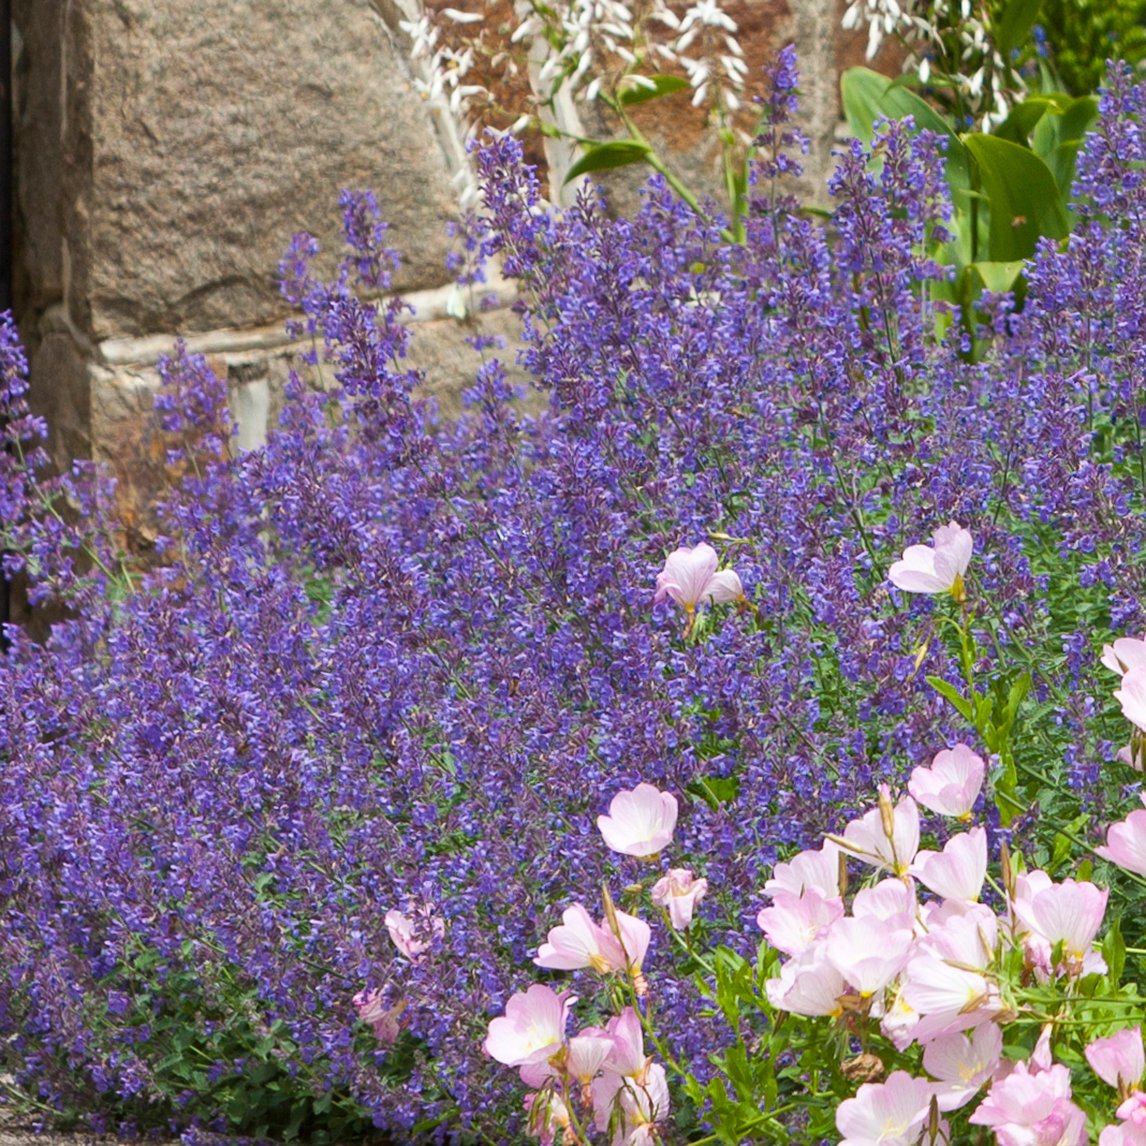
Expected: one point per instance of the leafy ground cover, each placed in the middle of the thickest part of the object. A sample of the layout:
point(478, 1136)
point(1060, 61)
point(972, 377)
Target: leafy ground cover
point(286, 819)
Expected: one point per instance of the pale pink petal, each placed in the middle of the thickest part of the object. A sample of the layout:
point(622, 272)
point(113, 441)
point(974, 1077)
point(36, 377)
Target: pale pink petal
point(1132, 697)
point(532, 1029)
point(640, 822)
point(793, 923)
point(1126, 843)
point(894, 1111)
point(1118, 1059)
point(818, 869)
point(725, 587)
point(1126, 653)
point(962, 1064)
point(958, 871)
point(867, 952)
point(687, 575)
point(952, 783)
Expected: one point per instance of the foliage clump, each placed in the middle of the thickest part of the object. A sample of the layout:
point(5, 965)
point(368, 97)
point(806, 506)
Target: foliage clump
point(390, 664)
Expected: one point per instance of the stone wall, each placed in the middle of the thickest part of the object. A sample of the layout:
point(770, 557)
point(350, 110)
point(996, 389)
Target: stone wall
point(167, 151)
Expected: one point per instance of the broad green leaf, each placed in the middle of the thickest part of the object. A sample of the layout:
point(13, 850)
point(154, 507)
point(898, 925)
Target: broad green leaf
point(948, 690)
point(998, 277)
point(614, 153)
point(868, 96)
point(661, 85)
point(1024, 117)
point(1023, 197)
point(1058, 137)
point(714, 790)
point(1015, 24)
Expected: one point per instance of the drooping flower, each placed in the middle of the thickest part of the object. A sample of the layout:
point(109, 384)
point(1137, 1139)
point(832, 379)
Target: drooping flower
point(680, 891)
point(952, 783)
point(414, 935)
point(385, 1021)
point(640, 822)
point(548, 1116)
point(690, 579)
point(937, 568)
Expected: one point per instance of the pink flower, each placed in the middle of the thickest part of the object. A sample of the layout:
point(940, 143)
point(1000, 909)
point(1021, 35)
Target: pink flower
point(532, 1030)
point(886, 837)
point(867, 952)
point(948, 979)
point(680, 892)
point(579, 942)
point(640, 822)
point(958, 871)
point(891, 1113)
point(937, 569)
point(1133, 1110)
point(1069, 913)
point(1118, 1059)
point(952, 783)
point(962, 1064)
point(1032, 1108)
point(690, 578)
point(1132, 696)
point(807, 985)
point(891, 901)
point(1126, 653)
point(548, 1115)
point(385, 1020)
point(587, 1052)
point(817, 869)
point(1126, 843)
point(1123, 1134)
point(414, 935)
point(794, 922)
point(631, 1093)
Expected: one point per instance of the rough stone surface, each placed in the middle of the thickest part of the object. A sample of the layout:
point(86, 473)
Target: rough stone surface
point(38, 130)
point(199, 137)
point(59, 393)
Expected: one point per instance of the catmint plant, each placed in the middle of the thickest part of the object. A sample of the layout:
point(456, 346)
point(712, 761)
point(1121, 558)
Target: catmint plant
point(289, 819)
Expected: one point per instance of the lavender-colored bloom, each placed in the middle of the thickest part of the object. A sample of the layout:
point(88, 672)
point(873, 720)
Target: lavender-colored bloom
point(386, 661)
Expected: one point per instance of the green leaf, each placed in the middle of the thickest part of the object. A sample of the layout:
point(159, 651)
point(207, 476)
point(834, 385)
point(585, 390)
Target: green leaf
point(952, 694)
point(661, 85)
point(1015, 24)
point(1114, 951)
point(603, 156)
point(998, 277)
point(714, 790)
point(1023, 197)
point(868, 96)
